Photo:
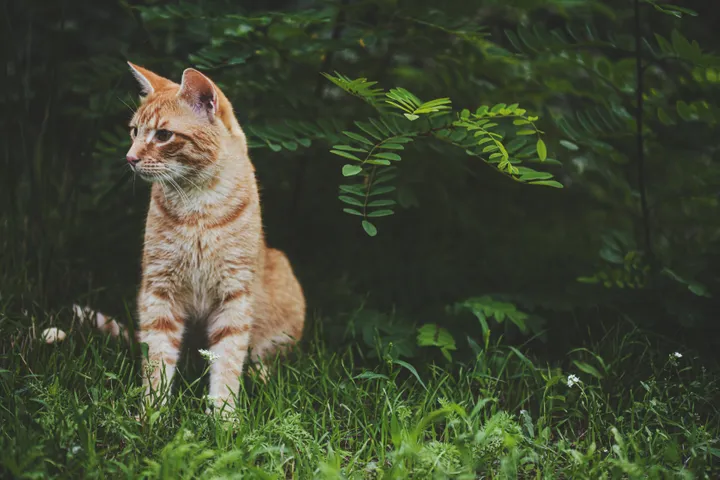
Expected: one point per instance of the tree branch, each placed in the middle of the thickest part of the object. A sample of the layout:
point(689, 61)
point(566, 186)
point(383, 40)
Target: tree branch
point(640, 140)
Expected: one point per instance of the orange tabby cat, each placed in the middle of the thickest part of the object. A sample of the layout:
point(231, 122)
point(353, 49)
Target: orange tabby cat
point(205, 255)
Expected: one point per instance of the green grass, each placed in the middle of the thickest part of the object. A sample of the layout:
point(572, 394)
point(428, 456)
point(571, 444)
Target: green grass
point(637, 412)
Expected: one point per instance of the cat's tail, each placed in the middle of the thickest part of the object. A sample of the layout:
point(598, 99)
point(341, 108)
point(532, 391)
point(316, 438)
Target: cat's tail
point(104, 323)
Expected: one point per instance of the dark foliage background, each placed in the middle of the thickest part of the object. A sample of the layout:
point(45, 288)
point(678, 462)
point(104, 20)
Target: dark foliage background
point(630, 238)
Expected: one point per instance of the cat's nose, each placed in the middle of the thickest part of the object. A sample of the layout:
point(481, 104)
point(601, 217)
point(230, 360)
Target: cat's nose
point(132, 160)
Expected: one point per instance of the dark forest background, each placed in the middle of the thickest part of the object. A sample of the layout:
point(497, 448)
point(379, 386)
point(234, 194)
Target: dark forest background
point(631, 238)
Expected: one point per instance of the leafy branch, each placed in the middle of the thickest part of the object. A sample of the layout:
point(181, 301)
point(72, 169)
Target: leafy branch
point(480, 134)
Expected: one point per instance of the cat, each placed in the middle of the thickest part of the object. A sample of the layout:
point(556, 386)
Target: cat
point(204, 254)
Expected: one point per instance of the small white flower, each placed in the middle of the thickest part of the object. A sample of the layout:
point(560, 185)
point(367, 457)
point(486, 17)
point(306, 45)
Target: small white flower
point(208, 355)
point(572, 380)
point(371, 467)
point(523, 412)
point(677, 355)
point(53, 335)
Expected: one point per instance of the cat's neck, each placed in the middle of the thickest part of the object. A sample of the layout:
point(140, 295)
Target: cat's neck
point(229, 180)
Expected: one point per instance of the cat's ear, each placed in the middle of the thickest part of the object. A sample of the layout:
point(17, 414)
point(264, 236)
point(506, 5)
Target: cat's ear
point(149, 81)
point(199, 92)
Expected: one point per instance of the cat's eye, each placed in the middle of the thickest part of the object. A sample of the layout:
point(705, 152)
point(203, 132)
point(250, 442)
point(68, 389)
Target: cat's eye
point(163, 135)
point(133, 132)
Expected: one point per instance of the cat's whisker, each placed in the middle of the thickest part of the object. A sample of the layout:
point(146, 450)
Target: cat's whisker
point(128, 106)
point(183, 196)
point(162, 187)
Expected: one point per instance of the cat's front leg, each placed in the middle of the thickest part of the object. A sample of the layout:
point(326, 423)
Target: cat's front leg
point(228, 341)
point(161, 328)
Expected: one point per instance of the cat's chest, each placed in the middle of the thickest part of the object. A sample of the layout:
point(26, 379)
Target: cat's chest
point(199, 269)
point(201, 255)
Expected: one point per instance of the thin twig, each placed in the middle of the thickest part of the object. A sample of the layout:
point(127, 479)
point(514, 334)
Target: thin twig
point(639, 134)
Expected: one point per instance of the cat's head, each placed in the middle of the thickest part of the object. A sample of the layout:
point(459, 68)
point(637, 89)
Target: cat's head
point(177, 131)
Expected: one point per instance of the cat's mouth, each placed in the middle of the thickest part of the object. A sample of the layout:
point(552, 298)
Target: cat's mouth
point(152, 173)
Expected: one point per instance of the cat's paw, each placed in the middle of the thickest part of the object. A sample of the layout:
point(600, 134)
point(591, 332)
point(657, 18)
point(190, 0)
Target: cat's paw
point(220, 409)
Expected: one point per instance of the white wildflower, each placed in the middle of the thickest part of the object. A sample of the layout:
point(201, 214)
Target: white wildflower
point(371, 467)
point(53, 335)
point(572, 380)
point(677, 355)
point(208, 355)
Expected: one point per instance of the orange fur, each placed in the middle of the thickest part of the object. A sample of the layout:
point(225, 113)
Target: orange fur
point(205, 255)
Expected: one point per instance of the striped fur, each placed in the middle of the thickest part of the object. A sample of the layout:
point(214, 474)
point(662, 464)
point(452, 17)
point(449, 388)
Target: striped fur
point(205, 255)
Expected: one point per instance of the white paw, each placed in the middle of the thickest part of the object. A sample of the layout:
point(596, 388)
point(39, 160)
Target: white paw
point(53, 335)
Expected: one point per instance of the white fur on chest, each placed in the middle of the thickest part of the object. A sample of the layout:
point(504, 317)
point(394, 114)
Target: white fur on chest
point(203, 257)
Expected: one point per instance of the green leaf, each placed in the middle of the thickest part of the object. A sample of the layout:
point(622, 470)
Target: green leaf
point(352, 211)
point(370, 229)
point(391, 146)
point(534, 175)
point(699, 290)
point(368, 375)
point(353, 189)
point(525, 132)
point(569, 145)
point(682, 46)
point(381, 190)
point(430, 335)
point(684, 110)
point(369, 130)
point(589, 369)
point(346, 155)
point(292, 146)
point(378, 124)
point(388, 156)
point(411, 116)
point(350, 200)
point(541, 149)
point(437, 103)
point(522, 357)
point(348, 148)
point(359, 138)
point(350, 170)
point(378, 162)
point(382, 203)
point(548, 183)
point(411, 369)
point(380, 213)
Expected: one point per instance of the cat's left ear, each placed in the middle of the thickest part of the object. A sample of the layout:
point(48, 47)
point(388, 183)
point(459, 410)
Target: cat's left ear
point(200, 92)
